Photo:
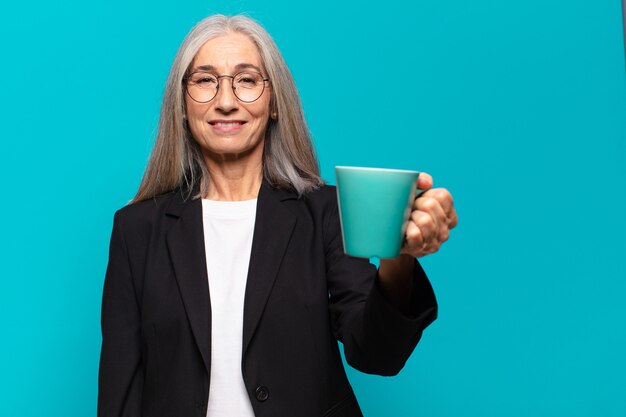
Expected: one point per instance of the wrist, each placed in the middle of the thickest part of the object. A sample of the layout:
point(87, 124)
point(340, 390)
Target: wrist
point(399, 264)
point(395, 280)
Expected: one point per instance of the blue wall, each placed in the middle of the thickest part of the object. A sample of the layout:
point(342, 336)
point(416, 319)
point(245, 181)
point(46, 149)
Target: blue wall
point(519, 108)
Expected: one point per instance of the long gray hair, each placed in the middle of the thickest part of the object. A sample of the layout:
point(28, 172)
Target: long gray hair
point(289, 159)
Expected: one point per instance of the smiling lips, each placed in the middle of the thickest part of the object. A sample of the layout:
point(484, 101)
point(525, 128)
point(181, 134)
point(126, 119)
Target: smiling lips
point(226, 125)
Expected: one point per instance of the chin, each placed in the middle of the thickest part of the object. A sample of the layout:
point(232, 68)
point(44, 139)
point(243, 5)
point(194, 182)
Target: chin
point(231, 148)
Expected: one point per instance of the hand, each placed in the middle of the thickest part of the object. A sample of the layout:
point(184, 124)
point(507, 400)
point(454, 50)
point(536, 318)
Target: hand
point(432, 217)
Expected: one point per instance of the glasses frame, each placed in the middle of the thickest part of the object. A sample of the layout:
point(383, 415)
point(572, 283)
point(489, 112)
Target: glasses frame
point(187, 78)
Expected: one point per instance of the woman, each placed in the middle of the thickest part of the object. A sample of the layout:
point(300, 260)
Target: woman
point(227, 287)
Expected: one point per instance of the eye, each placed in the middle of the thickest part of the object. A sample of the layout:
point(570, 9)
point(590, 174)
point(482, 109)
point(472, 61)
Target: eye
point(247, 80)
point(204, 80)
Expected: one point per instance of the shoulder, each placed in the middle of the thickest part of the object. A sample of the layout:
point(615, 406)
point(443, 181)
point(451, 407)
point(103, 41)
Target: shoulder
point(319, 203)
point(321, 206)
point(315, 201)
point(322, 197)
point(144, 212)
point(144, 208)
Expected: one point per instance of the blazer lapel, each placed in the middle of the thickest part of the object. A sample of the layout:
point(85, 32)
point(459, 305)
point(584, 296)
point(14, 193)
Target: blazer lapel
point(273, 228)
point(185, 242)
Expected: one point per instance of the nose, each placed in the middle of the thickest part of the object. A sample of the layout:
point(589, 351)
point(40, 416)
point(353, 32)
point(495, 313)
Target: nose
point(225, 100)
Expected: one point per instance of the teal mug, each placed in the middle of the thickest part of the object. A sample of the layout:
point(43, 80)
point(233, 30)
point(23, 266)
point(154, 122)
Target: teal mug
point(374, 209)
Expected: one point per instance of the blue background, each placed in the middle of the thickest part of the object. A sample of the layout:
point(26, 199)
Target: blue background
point(519, 108)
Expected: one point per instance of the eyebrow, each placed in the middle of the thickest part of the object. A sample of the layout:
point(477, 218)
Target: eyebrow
point(238, 67)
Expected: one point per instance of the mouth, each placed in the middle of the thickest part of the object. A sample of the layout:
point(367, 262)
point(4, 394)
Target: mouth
point(226, 125)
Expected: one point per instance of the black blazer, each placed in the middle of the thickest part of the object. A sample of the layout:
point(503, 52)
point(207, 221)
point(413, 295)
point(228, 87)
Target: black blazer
point(302, 295)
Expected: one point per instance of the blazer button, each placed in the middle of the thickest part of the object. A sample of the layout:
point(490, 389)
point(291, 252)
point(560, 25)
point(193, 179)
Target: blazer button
point(262, 393)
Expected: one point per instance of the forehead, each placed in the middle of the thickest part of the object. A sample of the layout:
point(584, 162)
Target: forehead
point(227, 51)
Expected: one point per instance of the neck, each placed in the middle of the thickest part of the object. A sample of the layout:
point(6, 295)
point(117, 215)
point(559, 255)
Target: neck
point(233, 178)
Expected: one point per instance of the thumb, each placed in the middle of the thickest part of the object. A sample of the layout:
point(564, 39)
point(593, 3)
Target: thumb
point(424, 181)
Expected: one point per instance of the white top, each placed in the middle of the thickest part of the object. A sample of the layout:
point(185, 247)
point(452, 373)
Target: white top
point(228, 230)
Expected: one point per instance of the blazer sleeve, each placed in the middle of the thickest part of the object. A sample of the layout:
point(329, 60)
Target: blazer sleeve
point(377, 338)
point(120, 379)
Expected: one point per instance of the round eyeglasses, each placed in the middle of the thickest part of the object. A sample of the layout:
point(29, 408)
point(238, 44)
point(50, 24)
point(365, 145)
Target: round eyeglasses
point(202, 86)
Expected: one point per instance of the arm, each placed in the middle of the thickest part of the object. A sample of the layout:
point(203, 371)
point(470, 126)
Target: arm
point(395, 281)
point(378, 337)
point(432, 217)
point(120, 378)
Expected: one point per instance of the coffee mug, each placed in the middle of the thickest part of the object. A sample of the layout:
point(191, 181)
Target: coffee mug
point(374, 209)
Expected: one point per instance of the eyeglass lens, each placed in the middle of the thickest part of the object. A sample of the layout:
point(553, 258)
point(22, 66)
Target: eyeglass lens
point(247, 86)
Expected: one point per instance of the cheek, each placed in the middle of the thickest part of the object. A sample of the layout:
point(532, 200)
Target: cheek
point(261, 113)
point(195, 117)
point(191, 107)
point(260, 126)
point(195, 130)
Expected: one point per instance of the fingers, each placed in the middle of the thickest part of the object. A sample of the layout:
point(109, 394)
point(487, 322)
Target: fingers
point(443, 197)
point(453, 220)
point(435, 210)
point(422, 233)
point(429, 226)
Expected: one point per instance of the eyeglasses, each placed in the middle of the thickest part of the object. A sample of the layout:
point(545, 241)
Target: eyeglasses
point(202, 86)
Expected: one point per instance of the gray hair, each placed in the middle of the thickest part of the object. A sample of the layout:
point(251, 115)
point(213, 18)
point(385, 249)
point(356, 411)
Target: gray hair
point(289, 159)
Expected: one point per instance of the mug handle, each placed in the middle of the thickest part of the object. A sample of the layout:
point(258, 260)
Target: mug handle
point(419, 192)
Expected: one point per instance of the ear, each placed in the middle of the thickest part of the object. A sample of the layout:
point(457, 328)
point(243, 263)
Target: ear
point(184, 112)
point(273, 107)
